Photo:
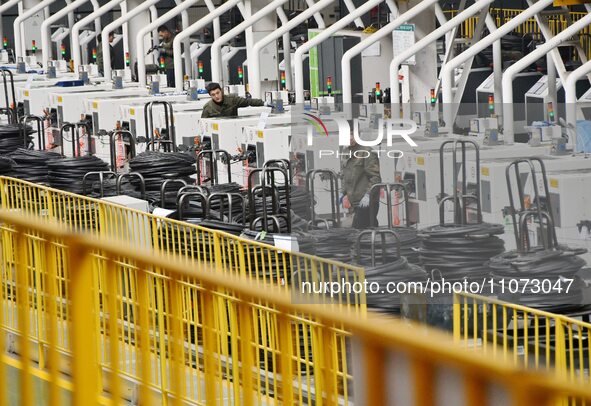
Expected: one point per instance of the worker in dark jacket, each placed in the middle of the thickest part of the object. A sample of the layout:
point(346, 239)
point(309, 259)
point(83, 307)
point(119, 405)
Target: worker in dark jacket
point(361, 171)
point(99, 53)
point(222, 105)
point(166, 51)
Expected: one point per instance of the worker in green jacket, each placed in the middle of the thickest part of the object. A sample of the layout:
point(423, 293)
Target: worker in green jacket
point(165, 49)
point(360, 171)
point(222, 105)
point(99, 54)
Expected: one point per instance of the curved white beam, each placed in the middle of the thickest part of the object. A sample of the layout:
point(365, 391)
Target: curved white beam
point(254, 71)
point(4, 8)
point(570, 96)
point(513, 70)
point(286, 49)
point(317, 16)
point(178, 62)
point(19, 46)
point(46, 29)
point(448, 70)
point(96, 15)
point(216, 47)
point(351, 9)
point(97, 23)
point(298, 58)
point(116, 24)
point(163, 19)
point(185, 25)
point(154, 17)
point(376, 36)
point(216, 23)
point(428, 39)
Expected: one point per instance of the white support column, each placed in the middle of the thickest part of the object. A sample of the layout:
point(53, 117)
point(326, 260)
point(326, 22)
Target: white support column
point(423, 76)
point(527, 60)
point(76, 52)
point(138, 18)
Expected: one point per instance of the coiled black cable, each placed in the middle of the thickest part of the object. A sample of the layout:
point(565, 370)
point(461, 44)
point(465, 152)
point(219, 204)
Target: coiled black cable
point(550, 268)
point(388, 275)
point(32, 165)
point(157, 167)
point(6, 165)
point(11, 138)
point(335, 243)
point(68, 173)
point(460, 251)
point(410, 244)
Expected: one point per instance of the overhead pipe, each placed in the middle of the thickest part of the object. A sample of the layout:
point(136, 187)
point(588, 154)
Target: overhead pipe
point(216, 23)
point(286, 49)
point(216, 47)
point(393, 8)
point(4, 8)
point(254, 71)
point(46, 29)
point(70, 16)
point(570, 96)
point(378, 35)
point(154, 17)
point(124, 29)
point(447, 79)
point(19, 40)
point(527, 60)
point(351, 8)
point(317, 16)
point(184, 26)
point(298, 59)
point(141, 50)
point(97, 23)
point(113, 26)
point(497, 65)
point(428, 39)
point(178, 63)
point(96, 15)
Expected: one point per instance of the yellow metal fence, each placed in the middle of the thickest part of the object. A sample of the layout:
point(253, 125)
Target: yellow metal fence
point(177, 241)
point(556, 23)
point(141, 325)
point(230, 253)
point(526, 336)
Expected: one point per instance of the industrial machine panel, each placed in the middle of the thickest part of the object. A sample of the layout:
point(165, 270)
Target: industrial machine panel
point(309, 160)
point(413, 213)
point(421, 185)
point(215, 141)
point(27, 107)
point(60, 116)
point(260, 151)
point(485, 196)
point(555, 202)
point(95, 123)
point(330, 53)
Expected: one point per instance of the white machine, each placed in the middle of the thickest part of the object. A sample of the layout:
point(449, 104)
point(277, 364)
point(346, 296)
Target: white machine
point(421, 171)
point(69, 106)
point(105, 110)
point(228, 134)
point(186, 116)
point(521, 84)
point(537, 99)
point(493, 184)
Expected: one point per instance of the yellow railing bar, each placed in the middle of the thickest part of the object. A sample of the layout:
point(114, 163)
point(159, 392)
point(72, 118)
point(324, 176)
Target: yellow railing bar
point(426, 348)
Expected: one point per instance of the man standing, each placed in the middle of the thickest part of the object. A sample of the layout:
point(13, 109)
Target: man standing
point(99, 53)
point(166, 51)
point(222, 105)
point(361, 171)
